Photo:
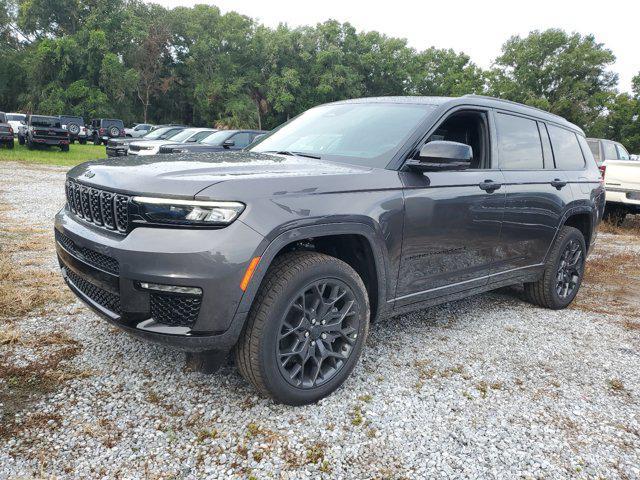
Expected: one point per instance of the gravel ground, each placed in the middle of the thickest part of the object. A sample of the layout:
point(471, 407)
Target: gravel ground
point(485, 387)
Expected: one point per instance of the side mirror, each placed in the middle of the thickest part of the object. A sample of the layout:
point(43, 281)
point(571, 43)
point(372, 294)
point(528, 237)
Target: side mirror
point(441, 155)
point(228, 143)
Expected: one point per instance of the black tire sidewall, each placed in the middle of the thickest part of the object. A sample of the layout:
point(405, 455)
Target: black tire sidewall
point(557, 300)
point(277, 385)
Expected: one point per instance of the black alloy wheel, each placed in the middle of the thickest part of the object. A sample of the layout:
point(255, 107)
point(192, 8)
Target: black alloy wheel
point(318, 333)
point(569, 269)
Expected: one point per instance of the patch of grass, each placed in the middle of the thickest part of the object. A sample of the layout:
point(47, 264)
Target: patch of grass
point(316, 452)
point(25, 385)
point(53, 156)
point(356, 416)
point(204, 434)
point(616, 385)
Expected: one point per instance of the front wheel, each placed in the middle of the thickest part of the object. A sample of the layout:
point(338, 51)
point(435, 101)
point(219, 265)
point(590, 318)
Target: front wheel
point(10, 144)
point(563, 272)
point(306, 328)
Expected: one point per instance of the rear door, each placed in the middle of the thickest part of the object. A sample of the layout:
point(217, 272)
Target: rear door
point(537, 194)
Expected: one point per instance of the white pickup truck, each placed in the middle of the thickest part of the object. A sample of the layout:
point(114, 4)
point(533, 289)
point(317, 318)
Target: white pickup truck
point(621, 178)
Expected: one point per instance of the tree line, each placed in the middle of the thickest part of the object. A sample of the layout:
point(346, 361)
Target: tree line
point(139, 61)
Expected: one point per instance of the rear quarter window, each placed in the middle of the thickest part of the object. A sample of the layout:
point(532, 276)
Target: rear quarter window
point(519, 144)
point(566, 149)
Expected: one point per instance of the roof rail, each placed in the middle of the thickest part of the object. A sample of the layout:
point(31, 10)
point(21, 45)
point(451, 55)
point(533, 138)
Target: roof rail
point(487, 97)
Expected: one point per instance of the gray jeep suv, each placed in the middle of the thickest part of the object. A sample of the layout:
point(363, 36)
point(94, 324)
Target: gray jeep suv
point(348, 213)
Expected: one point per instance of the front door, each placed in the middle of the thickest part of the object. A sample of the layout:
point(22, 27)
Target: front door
point(452, 218)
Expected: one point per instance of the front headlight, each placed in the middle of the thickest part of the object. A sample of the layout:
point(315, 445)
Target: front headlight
point(188, 212)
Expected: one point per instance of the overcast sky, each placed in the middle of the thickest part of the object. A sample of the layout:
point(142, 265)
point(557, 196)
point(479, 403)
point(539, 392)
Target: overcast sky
point(477, 28)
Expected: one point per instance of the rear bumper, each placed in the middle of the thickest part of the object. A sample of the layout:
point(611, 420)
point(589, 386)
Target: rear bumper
point(50, 141)
point(624, 197)
point(105, 271)
point(6, 138)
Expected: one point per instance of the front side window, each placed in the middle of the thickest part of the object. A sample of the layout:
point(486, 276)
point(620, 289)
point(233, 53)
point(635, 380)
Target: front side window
point(566, 148)
point(241, 139)
point(519, 144)
point(622, 152)
point(198, 137)
point(357, 133)
point(165, 132)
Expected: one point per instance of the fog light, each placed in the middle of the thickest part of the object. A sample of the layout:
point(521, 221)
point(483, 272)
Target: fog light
point(170, 288)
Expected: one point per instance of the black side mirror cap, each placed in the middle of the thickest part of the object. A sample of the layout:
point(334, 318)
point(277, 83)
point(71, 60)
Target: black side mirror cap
point(228, 143)
point(442, 155)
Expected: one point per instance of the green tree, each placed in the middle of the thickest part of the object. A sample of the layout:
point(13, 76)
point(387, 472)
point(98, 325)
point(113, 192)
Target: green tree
point(564, 73)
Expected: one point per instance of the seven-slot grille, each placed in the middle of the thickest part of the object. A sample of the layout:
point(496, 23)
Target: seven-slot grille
point(100, 207)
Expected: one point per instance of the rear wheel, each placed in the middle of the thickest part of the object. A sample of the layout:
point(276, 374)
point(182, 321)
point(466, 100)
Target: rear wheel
point(64, 148)
point(10, 144)
point(96, 140)
point(306, 328)
point(82, 141)
point(30, 144)
point(20, 139)
point(563, 272)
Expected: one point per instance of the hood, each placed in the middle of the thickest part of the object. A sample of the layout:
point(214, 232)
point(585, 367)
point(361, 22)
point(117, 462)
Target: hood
point(187, 174)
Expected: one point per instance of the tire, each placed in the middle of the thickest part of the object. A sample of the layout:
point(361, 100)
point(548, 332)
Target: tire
point(73, 129)
point(96, 140)
point(20, 140)
point(30, 144)
point(114, 132)
point(82, 141)
point(262, 340)
point(614, 214)
point(544, 292)
point(10, 145)
point(64, 148)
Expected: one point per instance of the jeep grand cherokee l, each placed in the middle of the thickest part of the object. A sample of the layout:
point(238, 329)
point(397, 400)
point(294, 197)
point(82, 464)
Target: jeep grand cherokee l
point(348, 213)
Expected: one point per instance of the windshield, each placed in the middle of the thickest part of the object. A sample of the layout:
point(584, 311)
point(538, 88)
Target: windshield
point(159, 132)
point(358, 133)
point(183, 135)
point(51, 122)
point(16, 117)
point(217, 138)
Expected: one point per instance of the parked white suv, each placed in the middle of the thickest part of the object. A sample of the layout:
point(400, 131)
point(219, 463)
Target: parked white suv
point(152, 147)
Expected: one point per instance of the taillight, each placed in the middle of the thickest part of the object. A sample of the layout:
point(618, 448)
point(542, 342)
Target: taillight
point(11, 130)
point(101, 131)
point(603, 170)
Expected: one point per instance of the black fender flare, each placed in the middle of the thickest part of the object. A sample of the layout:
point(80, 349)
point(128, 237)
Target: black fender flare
point(563, 220)
point(290, 236)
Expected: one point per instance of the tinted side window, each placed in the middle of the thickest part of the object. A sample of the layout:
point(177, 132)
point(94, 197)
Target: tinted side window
point(241, 139)
point(199, 136)
point(519, 143)
point(566, 149)
point(586, 150)
point(609, 151)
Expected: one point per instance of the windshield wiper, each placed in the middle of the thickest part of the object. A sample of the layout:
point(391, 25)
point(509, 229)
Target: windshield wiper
point(290, 153)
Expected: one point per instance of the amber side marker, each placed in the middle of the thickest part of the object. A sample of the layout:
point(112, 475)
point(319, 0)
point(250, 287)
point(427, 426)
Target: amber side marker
point(249, 273)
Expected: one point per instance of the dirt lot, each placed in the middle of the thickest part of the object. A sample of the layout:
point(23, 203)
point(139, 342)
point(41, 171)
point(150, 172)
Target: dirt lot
point(485, 387)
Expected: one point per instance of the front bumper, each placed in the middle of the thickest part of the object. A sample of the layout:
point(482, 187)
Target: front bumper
point(117, 151)
point(104, 269)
